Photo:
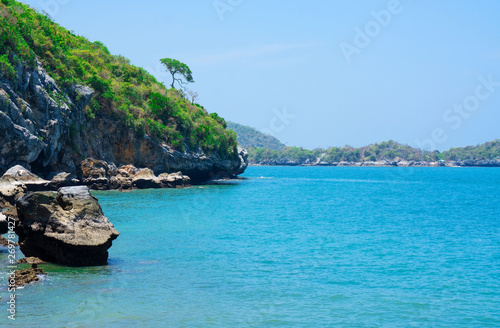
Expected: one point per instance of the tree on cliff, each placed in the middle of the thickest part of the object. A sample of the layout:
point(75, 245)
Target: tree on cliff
point(175, 67)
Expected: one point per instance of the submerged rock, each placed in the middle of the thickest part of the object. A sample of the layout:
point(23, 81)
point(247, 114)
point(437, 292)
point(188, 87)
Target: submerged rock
point(26, 276)
point(68, 228)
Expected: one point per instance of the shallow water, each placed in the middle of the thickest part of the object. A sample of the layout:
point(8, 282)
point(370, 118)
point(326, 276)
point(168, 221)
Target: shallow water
point(289, 247)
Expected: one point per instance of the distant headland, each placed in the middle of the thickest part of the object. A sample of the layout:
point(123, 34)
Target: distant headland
point(265, 149)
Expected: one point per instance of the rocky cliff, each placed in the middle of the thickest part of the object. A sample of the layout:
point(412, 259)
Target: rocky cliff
point(45, 129)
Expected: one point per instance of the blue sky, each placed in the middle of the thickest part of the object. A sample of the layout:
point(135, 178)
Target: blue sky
point(319, 73)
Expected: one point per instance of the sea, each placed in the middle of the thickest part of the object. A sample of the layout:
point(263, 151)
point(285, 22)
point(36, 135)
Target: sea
point(287, 247)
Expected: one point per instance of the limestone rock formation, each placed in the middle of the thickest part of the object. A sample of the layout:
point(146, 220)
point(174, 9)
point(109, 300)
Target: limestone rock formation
point(100, 175)
point(43, 128)
point(95, 174)
point(145, 179)
point(63, 179)
point(67, 228)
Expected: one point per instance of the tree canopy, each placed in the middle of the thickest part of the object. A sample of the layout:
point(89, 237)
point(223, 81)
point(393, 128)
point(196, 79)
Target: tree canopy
point(125, 94)
point(175, 67)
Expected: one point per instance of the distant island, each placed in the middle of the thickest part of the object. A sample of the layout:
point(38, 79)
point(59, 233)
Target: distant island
point(264, 149)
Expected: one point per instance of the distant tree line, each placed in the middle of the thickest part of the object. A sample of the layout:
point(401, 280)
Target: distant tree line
point(384, 151)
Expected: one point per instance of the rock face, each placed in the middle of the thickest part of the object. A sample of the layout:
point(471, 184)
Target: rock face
point(44, 129)
point(68, 228)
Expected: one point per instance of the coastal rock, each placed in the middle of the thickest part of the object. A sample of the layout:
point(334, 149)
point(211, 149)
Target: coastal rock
point(144, 179)
point(19, 174)
point(243, 156)
point(101, 175)
point(26, 276)
point(127, 170)
point(479, 163)
point(8, 193)
point(30, 260)
point(44, 127)
point(5, 242)
point(63, 179)
point(68, 228)
point(174, 180)
point(23, 178)
point(95, 174)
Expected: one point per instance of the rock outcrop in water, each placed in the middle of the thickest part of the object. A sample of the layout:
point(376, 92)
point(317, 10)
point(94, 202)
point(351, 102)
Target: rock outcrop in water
point(44, 129)
point(68, 228)
point(99, 175)
point(26, 276)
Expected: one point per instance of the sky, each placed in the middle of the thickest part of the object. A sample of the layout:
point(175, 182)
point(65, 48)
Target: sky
point(318, 73)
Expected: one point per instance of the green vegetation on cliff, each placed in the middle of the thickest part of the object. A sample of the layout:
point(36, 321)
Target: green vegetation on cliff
point(251, 138)
point(123, 92)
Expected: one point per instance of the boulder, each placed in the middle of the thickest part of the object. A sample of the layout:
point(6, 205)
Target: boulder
point(174, 180)
point(63, 179)
point(8, 194)
point(145, 179)
point(22, 177)
point(19, 174)
point(127, 170)
point(68, 228)
point(120, 182)
point(95, 174)
point(123, 177)
point(30, 260)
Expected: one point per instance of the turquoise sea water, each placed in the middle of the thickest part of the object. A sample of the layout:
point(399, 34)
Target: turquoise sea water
point(289, 247)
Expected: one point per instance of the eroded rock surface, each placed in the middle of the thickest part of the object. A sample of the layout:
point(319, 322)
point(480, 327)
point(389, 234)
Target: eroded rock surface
point(67, 228)
point(26, 276)
point(43, 127)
